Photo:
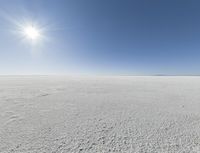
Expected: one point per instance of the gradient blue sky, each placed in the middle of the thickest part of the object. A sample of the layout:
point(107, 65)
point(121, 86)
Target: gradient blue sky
point(122, 37)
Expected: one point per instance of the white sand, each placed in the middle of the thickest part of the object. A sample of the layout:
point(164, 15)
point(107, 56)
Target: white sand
point(49, 114)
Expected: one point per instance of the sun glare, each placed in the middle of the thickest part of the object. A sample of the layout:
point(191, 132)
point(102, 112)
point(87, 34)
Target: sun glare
point(32, 32)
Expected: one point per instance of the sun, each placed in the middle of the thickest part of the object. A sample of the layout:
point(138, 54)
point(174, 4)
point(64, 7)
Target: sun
point(32, 32)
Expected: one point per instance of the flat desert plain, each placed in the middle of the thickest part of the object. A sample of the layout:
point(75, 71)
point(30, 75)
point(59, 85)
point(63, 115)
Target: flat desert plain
point(121, 114)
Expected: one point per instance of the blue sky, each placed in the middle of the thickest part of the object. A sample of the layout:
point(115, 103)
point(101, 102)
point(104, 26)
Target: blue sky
point(120, 37)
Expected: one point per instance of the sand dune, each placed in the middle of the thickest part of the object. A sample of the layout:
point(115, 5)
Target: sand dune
point(57, 114)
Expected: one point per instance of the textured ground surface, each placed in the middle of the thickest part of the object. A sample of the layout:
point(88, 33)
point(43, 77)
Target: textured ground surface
point(99, 114)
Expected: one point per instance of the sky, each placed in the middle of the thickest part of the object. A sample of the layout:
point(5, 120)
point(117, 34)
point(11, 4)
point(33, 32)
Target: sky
point(111, 37)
